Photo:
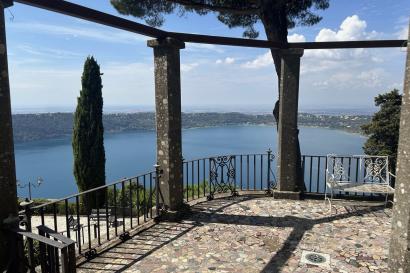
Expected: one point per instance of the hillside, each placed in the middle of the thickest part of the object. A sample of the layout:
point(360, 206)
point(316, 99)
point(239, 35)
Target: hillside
point(29, 127)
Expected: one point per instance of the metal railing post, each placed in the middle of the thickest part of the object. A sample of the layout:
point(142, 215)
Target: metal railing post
point(157, 177)
point(27, 213)
point(269, 189)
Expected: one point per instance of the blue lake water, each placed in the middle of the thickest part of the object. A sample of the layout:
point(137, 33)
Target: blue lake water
point(129, 154)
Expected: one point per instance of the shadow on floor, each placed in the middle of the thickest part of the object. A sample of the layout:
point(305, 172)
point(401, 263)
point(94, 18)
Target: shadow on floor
point(119, 258)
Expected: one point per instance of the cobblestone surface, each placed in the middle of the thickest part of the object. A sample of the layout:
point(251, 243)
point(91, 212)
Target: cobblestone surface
point(256, 235)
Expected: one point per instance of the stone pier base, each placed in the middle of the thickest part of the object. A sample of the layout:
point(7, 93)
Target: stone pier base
point(291, 195)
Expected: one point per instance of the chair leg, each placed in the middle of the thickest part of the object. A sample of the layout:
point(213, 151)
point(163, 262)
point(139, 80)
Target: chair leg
point(386, 200)
point(329, 199)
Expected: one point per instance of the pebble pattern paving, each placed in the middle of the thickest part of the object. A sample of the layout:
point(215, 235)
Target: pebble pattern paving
point(249, 234)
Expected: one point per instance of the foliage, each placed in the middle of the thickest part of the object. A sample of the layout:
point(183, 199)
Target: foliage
point(133, 196)
point(88, 135)
point(196, 190)
point(36, 254)
point(233, 13)
point(383, 130)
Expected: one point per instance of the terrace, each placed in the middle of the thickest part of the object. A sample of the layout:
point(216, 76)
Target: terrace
point(256, 234)
point(230, 218)
point(227, 213)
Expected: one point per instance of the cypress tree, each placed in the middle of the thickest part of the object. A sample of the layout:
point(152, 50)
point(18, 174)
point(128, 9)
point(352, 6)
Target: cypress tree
point(88, 136)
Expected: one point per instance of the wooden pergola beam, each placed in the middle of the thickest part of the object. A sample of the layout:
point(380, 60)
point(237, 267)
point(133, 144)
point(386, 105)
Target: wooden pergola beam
point(350, 44)
point(92, 15)
point(219, 40)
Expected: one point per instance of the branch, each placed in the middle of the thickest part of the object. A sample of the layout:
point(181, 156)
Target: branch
point(224, 9)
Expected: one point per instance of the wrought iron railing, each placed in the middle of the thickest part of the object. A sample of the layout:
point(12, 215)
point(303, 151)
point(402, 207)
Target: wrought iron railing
point(314, 169)
point(44, 251)
point(254, 172)
point(314, 172)
point(97, 216)
point(229, 173)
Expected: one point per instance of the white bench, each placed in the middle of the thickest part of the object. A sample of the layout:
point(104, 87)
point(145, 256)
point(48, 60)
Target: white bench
point(371, 175)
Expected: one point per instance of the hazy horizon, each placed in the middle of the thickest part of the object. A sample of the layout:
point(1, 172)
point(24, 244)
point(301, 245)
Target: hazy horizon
point(246, 109)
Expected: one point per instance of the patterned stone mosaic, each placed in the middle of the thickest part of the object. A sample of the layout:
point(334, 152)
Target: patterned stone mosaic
point(247, 234)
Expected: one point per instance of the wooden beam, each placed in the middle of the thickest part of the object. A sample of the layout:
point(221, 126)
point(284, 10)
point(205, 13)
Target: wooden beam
point(350, 44)
point(219, 40)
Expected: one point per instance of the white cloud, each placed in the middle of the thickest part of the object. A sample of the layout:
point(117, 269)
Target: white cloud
point(372, 78)
point(260, 61)
point(403, 32)
point(266, 59)
point(101, 34)
point(334, 76)
point(188, 67)
point(203, 47)
point(296, 38)
point(352, 28)
point(339, 76)
point(227, 60)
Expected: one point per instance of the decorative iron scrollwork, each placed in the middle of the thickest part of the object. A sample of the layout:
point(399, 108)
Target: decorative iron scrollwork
point(272, 184)
point(375, 169)
point(336, 169)
point(222, 175)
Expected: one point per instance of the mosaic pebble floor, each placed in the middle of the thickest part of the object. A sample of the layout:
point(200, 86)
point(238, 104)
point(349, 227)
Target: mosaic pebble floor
point(247, 234)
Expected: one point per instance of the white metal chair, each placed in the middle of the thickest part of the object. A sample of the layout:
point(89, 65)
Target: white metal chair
point(371, 175)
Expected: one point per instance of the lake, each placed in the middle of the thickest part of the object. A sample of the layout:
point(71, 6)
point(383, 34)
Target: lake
point(129, 154)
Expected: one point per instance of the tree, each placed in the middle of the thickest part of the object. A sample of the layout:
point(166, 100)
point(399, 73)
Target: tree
point(277, 16)
point(88, 136)
point(383, 130)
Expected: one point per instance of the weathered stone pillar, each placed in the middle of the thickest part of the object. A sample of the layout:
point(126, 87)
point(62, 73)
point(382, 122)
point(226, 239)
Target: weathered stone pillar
point(288, 123)
point(399, 261)
point(8, 191)
point(168, 119)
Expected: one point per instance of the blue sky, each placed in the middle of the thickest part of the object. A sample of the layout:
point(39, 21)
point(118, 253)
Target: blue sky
point(47, 51)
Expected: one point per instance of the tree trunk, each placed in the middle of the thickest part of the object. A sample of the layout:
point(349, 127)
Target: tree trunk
point(274, 20)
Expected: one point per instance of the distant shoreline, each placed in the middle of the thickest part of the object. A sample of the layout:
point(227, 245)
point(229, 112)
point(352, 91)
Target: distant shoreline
point(32, 127)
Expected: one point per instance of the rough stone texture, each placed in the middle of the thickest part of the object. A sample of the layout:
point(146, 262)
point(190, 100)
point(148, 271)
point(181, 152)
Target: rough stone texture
point(247, 234)
point(168, 119)
point(8, 200)
point(287, 127)
point(287, 195)
point(400, 239)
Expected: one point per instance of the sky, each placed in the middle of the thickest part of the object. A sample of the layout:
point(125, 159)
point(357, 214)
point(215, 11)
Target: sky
point(47, 51)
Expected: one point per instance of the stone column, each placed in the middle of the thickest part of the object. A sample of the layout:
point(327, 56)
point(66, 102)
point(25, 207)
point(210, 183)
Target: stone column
point(168, 119)
point(8, 189)
point(399, 261)
point(288, 124)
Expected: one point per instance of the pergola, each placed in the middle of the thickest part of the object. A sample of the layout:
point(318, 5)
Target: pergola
point(166, 46)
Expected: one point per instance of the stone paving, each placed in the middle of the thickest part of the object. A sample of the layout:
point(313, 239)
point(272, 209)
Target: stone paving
point(247, 234)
